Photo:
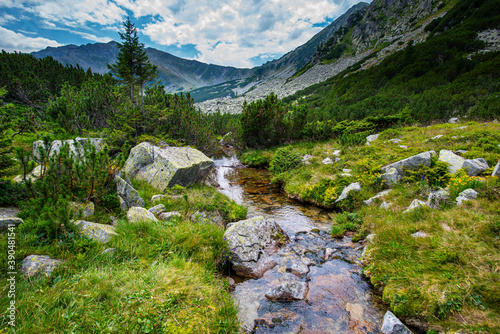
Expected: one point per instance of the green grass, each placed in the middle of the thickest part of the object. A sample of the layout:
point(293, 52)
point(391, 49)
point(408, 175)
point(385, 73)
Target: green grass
point(164, 277)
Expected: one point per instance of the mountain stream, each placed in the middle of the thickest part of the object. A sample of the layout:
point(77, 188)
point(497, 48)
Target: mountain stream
point(338, 298)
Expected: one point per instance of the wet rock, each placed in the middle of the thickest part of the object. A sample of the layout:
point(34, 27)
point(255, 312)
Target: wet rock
point(87, 209)
point(380, 194)
point(34, 264)
point(271, 319)
point(165, 216)
point(437, 198)
point(416, 204)
point(165, 167)
point(99, 232)
point(466, 195)
point(128, 196)
point(252, 241)
point(297, 267)
point(496, 170)
point(392, 325)
point(6, 222)
point(137, 214)
point(288, 290)
point(391, 177)
point(345, 192)
point(157, 209)
point(329, 253)
point(411, 163)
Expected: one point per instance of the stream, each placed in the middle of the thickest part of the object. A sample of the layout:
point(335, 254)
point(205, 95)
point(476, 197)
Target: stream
point(338, 298)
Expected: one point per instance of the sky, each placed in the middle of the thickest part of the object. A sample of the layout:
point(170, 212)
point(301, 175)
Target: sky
point(239, 33)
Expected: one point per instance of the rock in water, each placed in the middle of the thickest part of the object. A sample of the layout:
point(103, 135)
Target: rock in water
point(251, 242)
point(393, 325)
point(165, 167)
point(289, 290)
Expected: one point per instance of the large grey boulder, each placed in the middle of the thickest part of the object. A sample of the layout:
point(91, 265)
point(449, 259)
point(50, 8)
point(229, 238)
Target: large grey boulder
point(138, 214)
point(165, 167)
point(392, 325)
point(252, 241)
point(473, 167)
point(75, 146)
point(410, 163)
point(127, 194)
point(496, 170)
point(34, 264)
point(345, 192)
point(99, 232)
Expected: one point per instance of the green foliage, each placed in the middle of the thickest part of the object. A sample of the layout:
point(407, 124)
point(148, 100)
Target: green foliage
point(284, 160)
point(262, 122)
point(6, 161)
point(435, 176)
point(347, 221)
point(256, 158)
point(12, 193)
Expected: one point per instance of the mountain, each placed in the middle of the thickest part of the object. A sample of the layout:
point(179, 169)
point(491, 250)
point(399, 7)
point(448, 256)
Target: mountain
point(205, 81)
point(177, 74)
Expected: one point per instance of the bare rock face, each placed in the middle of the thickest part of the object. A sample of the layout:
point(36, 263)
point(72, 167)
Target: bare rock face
point(165, 167)
point(252, 241)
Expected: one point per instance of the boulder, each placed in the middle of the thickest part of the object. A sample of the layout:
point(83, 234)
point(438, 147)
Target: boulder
point(416, 204)
point(380, 194)
point(75, 146)
point(473, 167)
point(252, 241)
point(411, 163)
point(345, 192)
point(99, 232)
point(392, 325)
point(34, 264)
point(87, 209)
point(288, 290)
point(128, 196)
point(391, 177)
point(138, 214)
point(466, 195)
point(157, 209)
point(165, 167)
point(437, 198)
point(6, 222)
point(496, 170)
point(164, 216)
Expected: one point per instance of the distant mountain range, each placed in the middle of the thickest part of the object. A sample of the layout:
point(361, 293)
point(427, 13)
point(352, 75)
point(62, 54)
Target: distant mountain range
point(178, 74)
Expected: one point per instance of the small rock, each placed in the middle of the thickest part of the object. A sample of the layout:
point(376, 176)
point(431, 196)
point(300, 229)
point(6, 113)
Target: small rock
point(370, 238)
point(157, 210)
point(127, 194)
point(298, 268)
point(496, 170)
point(392, 325)
point(453, 120)
point(460, 152)
point(466, 195)
point(165, 216)
point(461, 127)
point(385, 205)
point(395, 140)
point(436, 198)
point(138, 214)
point(391, 177)
point(99, 232)
point(328, 253)
point(327, 161)
point(34, 264)
point(290, 290)
point(346, 170)
point(420, 234)
point(437, 137)
point(404, 147)
point(109, 251)
point(416, 204)
point(232, 283)
point(336, 153)
point(380, 194)
point(446, 227)
point(352, 187)
point(306, 158)
point(371, 138)
point(337, 159)
point(157, 198)
point(87, 209)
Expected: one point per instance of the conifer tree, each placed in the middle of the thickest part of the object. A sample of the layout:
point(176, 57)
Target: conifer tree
point(6, 160)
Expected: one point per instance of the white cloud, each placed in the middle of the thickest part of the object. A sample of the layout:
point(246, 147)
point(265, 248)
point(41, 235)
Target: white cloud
point(11, 41)
point(7, 18)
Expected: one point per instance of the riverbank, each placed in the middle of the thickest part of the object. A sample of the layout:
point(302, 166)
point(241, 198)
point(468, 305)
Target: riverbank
point(437, 268)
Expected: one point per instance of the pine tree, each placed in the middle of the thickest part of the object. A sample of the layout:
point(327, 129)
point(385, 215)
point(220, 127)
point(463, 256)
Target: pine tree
point(6, 161)
point(145, 72)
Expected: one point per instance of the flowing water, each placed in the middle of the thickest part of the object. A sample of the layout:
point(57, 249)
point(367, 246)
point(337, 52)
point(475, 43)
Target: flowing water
point(338, 298)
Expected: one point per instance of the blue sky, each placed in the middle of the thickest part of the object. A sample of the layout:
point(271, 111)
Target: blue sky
point(240, 33)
